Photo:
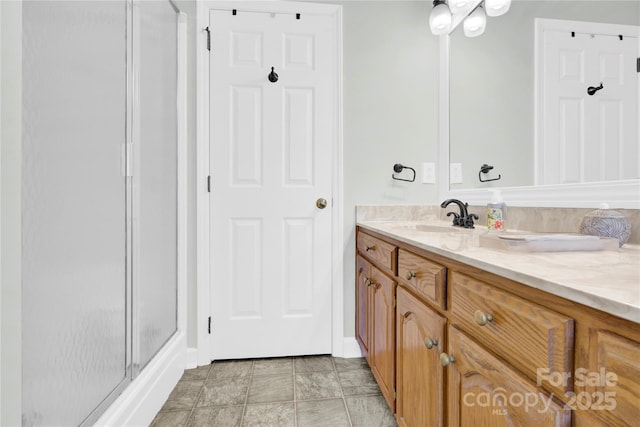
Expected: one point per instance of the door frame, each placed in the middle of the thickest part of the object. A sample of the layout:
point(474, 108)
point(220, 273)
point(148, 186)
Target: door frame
point(542, 25)
point(203, 294)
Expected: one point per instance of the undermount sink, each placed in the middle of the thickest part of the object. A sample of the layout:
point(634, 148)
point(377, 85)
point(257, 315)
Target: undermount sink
point(426, 228)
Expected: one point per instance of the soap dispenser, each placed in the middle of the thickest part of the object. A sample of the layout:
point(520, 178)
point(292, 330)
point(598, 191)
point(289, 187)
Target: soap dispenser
point(496, 213)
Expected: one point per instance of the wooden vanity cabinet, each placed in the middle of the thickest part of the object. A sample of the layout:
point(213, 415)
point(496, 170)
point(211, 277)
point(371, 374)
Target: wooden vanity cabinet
point(425, 278)
point(526, 335)
point(363, 305)
point(485, 391)
point(375, 314)
point(383, 317)
point(493, 335)
point(420, 378)
point(607, 378)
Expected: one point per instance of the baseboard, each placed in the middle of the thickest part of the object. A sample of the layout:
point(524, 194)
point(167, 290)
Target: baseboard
point(351, 348)
point(143, 398)
point(192, 358)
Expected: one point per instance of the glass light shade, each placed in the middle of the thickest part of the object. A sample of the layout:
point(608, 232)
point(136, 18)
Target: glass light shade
point(440, 19)
point(497, 7)
point(458, 5)
point(475, 23)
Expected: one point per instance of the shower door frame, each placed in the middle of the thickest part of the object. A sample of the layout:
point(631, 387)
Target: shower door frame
point(136, 400)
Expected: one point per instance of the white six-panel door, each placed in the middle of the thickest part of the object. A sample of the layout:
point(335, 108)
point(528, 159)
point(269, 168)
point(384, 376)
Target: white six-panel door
point(587, 138)
point(270, 162)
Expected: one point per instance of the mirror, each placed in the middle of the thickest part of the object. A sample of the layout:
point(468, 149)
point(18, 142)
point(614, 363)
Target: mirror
point(491, 82)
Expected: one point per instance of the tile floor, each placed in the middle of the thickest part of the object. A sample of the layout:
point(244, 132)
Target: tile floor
point(291, 391)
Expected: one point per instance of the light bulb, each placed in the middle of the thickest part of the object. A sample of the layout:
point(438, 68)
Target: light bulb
point(440, 18)
point(497, 7)
point(458, 5)
point(475, 23)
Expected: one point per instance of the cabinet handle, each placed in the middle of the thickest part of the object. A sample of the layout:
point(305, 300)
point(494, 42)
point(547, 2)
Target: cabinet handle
point(446, 360)
point(410, 275)
point(482, 318)
point(430, 343)
point(367, 281)
point(369, 248)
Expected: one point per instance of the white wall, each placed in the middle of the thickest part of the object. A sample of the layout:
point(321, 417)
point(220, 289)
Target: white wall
point(10, 214)
point(390, 113)
point(189, 7)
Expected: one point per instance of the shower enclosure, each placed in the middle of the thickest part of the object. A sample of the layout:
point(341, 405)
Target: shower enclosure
point(99, 201)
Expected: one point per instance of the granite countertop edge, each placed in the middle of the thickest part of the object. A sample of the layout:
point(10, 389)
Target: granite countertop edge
point(472, 254)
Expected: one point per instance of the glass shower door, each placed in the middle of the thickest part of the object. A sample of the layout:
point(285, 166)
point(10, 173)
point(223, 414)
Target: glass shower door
point(99, 223)
point(155, 179)
point(76, 354)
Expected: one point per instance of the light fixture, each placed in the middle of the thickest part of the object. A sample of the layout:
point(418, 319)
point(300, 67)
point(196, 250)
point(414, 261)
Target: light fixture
point(475, 23)
point(497, 7)
point(458, 6)
point(440, 18)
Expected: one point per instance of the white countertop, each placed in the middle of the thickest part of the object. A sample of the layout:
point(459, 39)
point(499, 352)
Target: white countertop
point(605, 280)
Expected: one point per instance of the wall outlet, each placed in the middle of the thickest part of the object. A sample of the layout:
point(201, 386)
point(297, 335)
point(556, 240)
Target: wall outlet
point(428, 173)
point(455, 173)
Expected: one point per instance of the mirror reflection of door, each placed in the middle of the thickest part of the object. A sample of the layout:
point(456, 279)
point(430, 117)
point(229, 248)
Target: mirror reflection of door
point(587, 133)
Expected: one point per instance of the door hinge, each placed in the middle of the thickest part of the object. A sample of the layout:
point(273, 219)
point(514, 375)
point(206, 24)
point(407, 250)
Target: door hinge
point(209, 327)
point(395, 301)
point(395, 394)
point(638, 65)
point(209, 184)
point(208, 38)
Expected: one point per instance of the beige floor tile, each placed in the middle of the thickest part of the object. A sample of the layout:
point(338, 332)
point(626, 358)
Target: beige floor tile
point(231, 368)
point(171, 419)
point(277, 388)
point(358, 382)
point(216, 416)
point(269, 415)
point(313, 364)
point(317, 385)
point(349, 364)
point(370, 411)
point(224, 392)
point(276, 366)
point(319, 413)
point(183, 396)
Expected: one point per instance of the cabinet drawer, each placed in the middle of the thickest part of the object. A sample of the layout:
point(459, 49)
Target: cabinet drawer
point(378, 251)
point(427, 278)
point(528, 336)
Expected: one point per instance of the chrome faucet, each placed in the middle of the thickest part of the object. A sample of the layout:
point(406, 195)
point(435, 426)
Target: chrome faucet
point(464, 219)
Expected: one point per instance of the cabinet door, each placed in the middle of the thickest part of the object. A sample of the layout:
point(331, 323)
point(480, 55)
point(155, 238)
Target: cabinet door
point(383, 290)
point(362, 304)
point(608, 385)
point(420, 379)
point(484, 391)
